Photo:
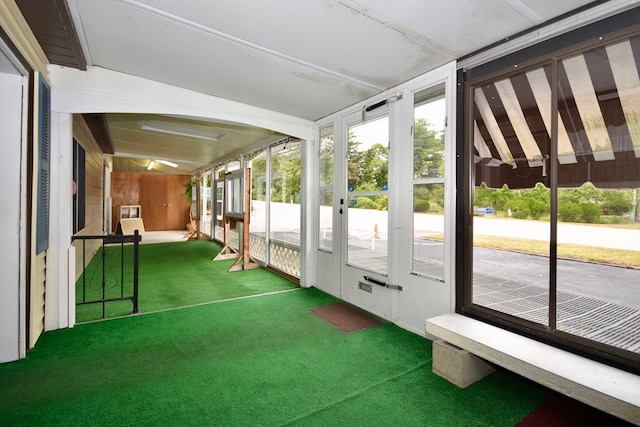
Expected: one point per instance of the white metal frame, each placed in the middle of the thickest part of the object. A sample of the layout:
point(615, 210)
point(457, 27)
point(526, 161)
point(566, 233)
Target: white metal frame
point(421, 297)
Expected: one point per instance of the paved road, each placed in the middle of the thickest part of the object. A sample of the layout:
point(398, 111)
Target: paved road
point(589, 235)
point(363, 222)
point(618, 285)
point(613, 284)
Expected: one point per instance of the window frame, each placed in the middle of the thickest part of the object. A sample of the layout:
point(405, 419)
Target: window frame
point(602, 33)
point(325, 244)
point(234, 194)
point(429, 94)
point(79, 179)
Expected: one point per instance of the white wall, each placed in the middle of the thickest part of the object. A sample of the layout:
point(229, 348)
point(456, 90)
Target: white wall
point(57, 297)
point(12, 254)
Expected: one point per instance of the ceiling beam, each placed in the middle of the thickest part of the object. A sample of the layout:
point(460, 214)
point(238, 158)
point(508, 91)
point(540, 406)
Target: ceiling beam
point(99, 127)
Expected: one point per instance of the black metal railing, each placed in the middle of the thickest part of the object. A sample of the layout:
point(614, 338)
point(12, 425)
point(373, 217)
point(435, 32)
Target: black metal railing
point(102, 283)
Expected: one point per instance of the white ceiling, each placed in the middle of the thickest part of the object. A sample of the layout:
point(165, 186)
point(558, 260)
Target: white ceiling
point(305, 58)
point(140, 146)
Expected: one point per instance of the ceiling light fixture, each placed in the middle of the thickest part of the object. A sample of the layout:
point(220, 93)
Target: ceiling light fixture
point(150, 166)
point(167, 163)
point(180, 130)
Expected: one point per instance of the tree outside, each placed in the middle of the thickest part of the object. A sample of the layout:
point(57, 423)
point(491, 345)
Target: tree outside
point(586, 204)
point(368, 169)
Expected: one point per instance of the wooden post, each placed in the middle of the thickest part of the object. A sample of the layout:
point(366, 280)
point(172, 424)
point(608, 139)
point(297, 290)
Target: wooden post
point(227, 251)
point(243, 260)
point(247, 262)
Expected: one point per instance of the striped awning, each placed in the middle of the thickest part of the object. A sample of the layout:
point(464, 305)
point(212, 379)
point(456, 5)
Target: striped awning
point(598, 122)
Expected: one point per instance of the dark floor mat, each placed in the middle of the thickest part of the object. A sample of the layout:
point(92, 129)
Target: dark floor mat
point(346, 317)
point(563, 412)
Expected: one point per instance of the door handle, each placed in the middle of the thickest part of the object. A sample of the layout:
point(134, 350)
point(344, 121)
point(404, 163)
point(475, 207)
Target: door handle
point(381, 283)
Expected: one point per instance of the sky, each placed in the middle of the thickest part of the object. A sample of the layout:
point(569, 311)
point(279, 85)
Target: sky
point(378, 130)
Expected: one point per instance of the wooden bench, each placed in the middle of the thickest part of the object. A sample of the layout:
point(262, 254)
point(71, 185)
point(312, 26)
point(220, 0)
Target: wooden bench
point(606, 388)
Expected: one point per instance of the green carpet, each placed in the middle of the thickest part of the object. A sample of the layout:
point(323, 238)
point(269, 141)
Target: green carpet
point(170, 275)
point(264, 360)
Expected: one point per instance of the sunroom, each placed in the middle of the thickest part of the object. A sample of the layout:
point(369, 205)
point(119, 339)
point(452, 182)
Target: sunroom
point(487, 167)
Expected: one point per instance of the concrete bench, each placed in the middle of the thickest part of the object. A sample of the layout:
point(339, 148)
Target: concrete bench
point(606, 388)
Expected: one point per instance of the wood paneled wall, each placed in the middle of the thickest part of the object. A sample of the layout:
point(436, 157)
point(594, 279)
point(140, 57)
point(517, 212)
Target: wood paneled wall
point(160, 196)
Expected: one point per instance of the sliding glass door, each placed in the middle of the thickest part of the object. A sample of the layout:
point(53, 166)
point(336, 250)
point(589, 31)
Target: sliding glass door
point(553, 199)
point(598, 296)
point(512, 158)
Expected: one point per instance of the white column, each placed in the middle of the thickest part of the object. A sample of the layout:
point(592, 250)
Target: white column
point(309, 211)
point(59, 292)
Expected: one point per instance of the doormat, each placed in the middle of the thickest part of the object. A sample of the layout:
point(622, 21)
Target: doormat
point(563, 412)
point(346, 317)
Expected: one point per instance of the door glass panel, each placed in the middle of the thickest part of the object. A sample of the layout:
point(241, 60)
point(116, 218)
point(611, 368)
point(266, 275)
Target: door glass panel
point(206, 203)
point(285, 194)
point(218, 228)
point(598, 235)
point(428, 230)
point(428, 182)
point(258, 215)
point(367, 219)
point(219, 198)
point(325, 231)
point(511, 228)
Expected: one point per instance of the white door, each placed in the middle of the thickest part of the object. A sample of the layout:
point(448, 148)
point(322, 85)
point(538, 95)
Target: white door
point(399, 228)
point(330, 213)
point(425, 256)
point(386, 226)
point(365, 261)
point(12, 291)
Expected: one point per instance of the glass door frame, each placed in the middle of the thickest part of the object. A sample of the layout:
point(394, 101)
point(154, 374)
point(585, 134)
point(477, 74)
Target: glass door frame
point(466, 179)
point(420, 297)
